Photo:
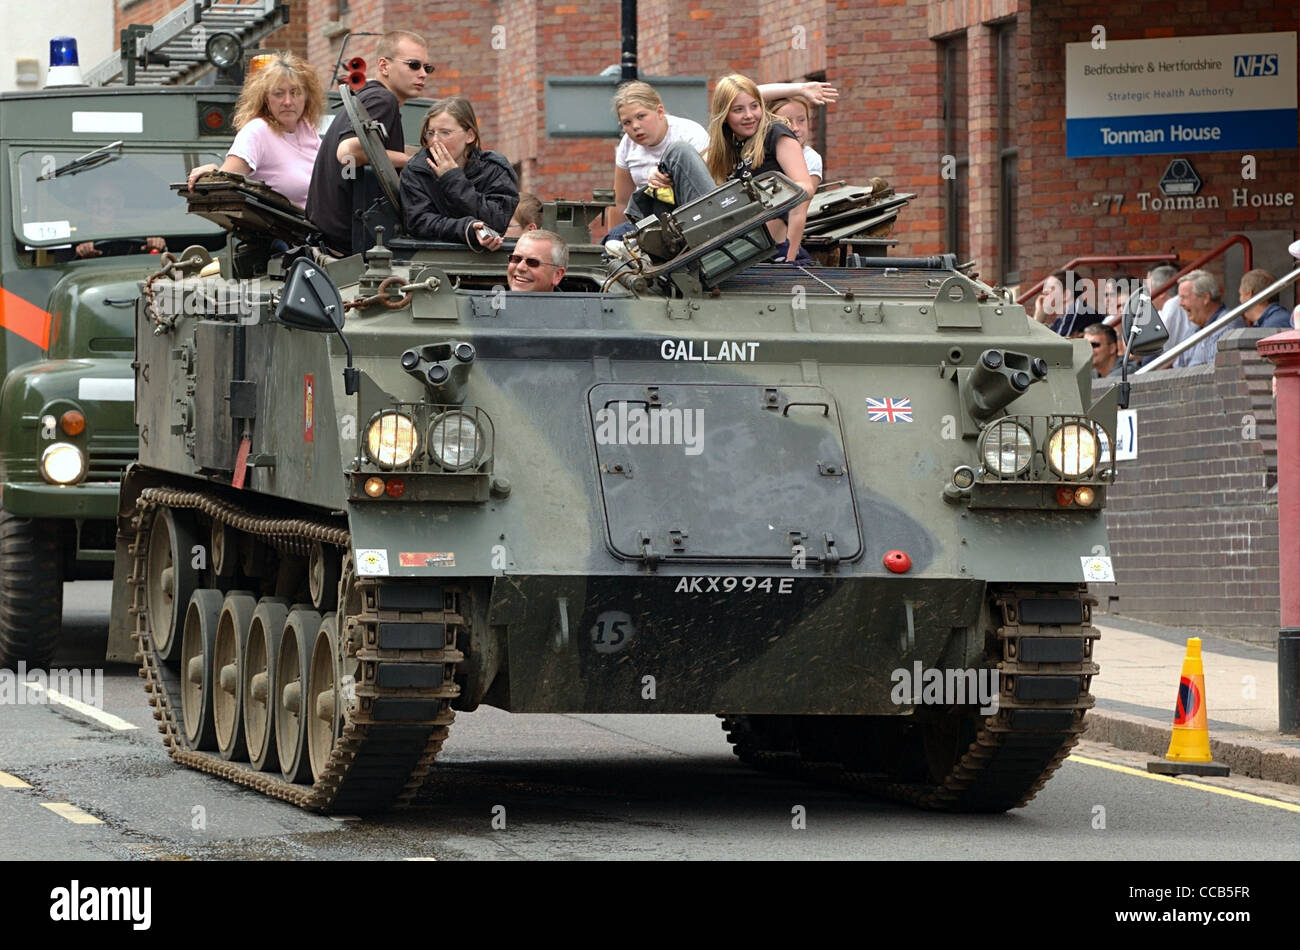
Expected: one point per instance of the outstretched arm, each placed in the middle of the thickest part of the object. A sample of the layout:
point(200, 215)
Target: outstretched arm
point(818, 93)
point(790, 154)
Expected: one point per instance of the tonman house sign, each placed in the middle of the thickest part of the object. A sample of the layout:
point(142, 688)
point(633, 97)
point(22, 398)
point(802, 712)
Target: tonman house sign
point(1186, 94)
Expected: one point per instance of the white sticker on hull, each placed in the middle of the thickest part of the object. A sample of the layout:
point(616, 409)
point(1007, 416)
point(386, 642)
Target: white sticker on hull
point(106, 390)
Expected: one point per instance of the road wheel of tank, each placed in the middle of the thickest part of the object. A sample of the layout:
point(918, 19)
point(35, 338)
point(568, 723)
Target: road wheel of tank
point(198, 640)
point(31, 591)
point(224, 548)
point(323, 569)
point(170, 579)
point(325, 722)
point(227, 688)
point(292, 693)
point(260, 678)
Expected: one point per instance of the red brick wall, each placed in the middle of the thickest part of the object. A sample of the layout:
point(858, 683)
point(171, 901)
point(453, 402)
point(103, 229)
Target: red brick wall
point(1058, 221)
point(1193, 520)
point(888, 121)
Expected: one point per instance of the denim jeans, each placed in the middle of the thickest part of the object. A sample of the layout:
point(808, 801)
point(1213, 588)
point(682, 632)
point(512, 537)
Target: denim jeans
point(691, 180)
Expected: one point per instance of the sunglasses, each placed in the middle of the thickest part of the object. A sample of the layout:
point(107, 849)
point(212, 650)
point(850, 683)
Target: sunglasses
point(416, 64)
point(530, 261)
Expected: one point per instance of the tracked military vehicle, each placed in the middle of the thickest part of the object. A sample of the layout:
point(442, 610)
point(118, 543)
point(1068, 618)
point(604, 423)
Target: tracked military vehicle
point(688, 482)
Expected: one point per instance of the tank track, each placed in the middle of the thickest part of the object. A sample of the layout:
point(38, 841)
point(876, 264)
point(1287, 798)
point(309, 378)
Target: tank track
point(1015, 750)
point(373, 764)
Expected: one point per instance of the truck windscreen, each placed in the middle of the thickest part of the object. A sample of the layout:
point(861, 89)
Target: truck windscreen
point(66, 196)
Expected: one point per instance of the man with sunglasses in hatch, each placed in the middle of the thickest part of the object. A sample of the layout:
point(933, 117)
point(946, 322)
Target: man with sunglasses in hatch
point(403, 66)
point(538, 261)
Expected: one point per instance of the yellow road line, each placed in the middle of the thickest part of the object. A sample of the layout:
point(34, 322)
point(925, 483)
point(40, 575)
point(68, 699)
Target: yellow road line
point(11, 781)
point(72, 813)
point(1184, 783)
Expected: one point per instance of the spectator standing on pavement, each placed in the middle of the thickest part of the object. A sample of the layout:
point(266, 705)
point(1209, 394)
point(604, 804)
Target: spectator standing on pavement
point(1106, 357)
point(1267, 313)
point(1050, 303)
point(1171, 311)
point(1201, 298)
point(402, 67)
point(1078, 313)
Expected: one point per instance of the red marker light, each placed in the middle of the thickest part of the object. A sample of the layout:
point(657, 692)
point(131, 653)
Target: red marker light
point(1064, 496)
point(395, 488)
point(898, 562)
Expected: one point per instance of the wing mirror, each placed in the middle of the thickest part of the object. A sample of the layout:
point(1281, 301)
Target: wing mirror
point(311, 302)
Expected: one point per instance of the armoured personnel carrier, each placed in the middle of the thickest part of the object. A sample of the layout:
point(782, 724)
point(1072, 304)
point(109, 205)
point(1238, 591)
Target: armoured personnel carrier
point(83, 185)
point(853, 511)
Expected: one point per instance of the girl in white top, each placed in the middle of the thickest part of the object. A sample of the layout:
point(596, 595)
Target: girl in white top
point(647, 132)
point(276, 116)
point(796, 113)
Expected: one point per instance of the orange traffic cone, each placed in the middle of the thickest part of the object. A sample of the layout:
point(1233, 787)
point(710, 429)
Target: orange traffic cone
point(1189, 745)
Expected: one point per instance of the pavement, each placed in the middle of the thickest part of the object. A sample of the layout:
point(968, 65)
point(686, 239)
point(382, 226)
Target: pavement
point(1138, 686)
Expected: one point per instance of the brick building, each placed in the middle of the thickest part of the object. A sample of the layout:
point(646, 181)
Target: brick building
point(976, 87)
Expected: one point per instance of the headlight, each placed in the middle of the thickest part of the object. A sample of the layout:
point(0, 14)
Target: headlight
point(391, 439)
point(456, 441)
point(1007, 448)
point(1072, 450)
point(63, 464)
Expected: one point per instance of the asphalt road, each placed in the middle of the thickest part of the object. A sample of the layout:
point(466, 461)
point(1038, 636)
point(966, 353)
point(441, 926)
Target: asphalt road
point(594, 787)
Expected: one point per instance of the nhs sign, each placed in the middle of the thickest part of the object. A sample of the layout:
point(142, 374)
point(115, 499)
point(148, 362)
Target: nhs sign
point(1256, 64)
point(1173, 95)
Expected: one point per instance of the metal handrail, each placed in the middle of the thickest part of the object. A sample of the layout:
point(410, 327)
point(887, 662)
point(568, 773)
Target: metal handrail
point(1211, 328)
point(1105, 259)
point(1247, 261)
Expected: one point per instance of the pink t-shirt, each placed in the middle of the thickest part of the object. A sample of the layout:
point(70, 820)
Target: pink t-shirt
point(283, 161)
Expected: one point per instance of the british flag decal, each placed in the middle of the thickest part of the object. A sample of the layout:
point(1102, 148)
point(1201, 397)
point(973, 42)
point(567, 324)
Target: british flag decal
point(889, 410)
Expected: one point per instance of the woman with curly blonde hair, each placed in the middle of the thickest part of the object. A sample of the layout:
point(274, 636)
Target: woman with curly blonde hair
point(276, 116)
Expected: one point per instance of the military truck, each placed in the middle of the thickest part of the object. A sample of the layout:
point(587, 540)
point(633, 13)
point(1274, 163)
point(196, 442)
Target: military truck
point(853, 511)
point(83, 185)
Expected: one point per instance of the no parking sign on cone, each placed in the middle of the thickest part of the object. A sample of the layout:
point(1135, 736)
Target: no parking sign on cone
point(1189, 744)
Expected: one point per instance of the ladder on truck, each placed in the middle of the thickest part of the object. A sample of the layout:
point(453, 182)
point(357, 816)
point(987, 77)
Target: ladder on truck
point(173, 51)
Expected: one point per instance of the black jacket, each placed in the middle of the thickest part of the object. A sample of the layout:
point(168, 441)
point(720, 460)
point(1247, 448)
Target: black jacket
point(442, 209)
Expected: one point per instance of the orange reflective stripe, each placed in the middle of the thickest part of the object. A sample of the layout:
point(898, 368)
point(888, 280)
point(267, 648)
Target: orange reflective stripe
point(28, 321)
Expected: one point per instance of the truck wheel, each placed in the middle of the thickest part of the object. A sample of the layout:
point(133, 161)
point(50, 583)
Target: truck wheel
point(31, 591)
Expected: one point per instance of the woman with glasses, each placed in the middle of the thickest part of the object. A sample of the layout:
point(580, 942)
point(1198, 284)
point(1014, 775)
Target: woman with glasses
point(277, 115)
point(453, 189)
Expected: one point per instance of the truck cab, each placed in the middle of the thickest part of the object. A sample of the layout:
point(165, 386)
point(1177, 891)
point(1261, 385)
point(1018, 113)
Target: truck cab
point(84, 175)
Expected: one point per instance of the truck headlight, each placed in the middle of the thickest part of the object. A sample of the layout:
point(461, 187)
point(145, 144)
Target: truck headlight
point(455, 441)
point(1072, 450)
point(1007, 448)
point(63, 464)
point(391, 439)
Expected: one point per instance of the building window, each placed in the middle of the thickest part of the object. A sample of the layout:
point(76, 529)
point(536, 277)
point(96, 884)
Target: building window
point(1008, 158)
point(956, 161)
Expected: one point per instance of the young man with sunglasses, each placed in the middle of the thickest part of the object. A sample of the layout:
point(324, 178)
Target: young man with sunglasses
point(402, 68)
point(538, 261)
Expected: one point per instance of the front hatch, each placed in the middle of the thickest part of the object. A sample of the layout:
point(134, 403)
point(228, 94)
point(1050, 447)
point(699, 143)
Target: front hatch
point(723, 472)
